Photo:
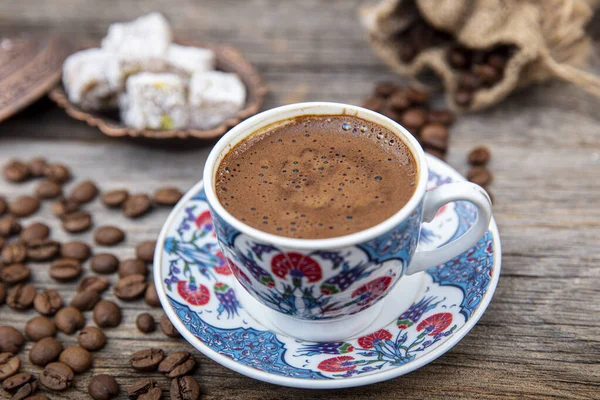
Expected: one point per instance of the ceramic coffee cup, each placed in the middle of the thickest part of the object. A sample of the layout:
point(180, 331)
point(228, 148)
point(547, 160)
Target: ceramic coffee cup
point(330, 289)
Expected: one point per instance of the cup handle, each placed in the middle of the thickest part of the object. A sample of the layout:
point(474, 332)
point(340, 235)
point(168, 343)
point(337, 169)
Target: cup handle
point(434, 199)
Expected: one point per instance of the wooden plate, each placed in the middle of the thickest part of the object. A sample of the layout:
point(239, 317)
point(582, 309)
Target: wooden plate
point(29, 68)
point(228, 59)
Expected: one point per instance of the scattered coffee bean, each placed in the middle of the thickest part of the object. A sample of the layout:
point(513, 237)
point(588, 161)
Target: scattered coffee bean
point(479, 175)
point(3, 206)
point(9, 226)
point(96, 283)
point(114, 198)
point(84, 192)
point(399, 100)
point(78, 250)
point(458, 57)
point(167, 196)
point(64, 207)
point(417, 96)
point(479, 156)
point(413, 119)
point(23, 206)
point(385, 89)
point(77, 221)
point(103, 387)
point(47, 302)
point(132, 266)
point(444, 117)
point(48, 190)
point(21, 296)
point(15, 171)
point(167, 327)
point(45, 351)
point(463, 98)
point(151, 297)
point(146, 360)
point(141, 387)
point(104, 263)
point(11, 340)
point(130, 287)
point(39, 327)
point(57, 377)
point(145, 323)
point(9, 365)
point(185, 388)
point(137, 205)
point(489, 75)
point(435, 135)
point(2, 242)
point(69, 320)
point(14, 273)
point(145, 251)
point(108, 235)
point(20, 385)
point(42, 249)
point(469, 81)
point(37, 166)
point(13, 253)
point(37, 397)
point(91, 338)
point(85, 301)
point(2, 293)
point(374, 103)
point(76, 358)
point(34, 231)
point(58, 173)
point(177, 364)
point(107, 314)
point(65, 269)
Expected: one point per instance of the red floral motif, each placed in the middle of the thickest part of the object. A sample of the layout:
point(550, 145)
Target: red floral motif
point(337, 364)
point(297, 265)
point(196, 296)
point(204, 221)
point(372, 290)
point(435, 324)
point(441, 210)
point(222, 268)
point(368, 341)
point(238, 273)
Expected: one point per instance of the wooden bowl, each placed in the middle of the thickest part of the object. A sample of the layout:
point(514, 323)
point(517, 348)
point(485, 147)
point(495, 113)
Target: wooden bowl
point(228, 59)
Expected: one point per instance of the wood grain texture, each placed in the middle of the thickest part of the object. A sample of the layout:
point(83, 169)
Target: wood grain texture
point(540, 335)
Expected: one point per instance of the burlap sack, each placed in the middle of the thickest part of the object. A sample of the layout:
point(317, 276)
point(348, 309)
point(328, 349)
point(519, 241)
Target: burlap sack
point(549, 36)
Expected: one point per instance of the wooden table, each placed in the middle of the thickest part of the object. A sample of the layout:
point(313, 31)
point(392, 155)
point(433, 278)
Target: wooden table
point(539, 337)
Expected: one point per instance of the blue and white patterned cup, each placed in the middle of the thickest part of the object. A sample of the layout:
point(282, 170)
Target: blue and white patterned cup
point(330, 289)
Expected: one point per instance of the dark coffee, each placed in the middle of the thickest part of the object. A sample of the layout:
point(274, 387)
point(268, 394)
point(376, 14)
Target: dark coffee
point(317, 177)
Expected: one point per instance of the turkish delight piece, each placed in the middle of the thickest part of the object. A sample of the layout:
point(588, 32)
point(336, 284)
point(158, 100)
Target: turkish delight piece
point(155, 101)
point(189, 59)
point(214, 97)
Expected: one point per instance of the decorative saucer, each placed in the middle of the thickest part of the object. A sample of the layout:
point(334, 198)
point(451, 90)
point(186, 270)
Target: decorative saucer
point(201, 298)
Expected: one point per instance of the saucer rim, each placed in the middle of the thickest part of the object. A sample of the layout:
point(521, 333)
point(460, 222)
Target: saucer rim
point(321, 384)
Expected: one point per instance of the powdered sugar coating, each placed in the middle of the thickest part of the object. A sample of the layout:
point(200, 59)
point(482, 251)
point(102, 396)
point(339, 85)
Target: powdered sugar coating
point(214, 97)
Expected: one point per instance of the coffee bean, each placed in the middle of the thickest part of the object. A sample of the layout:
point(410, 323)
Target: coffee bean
point(104, 263)
point(21, 296)
point(399, 100)
point(48, 190)
point(185, 388)
point(130, 287)
point(407, 52)
point(108, 235)
point(39, 327)
point(57, 377)
point(391, 114)
point(496, 60)
point(42, 249)
point(167, 327)
point(69, 320)
point(145, 251)
point(114, 198)
point(34, 231)
point(2, 242)
point(146, 360)
point(58, 173)
point(488, 74)
point(65, 269)
point(96, 283)
point(15, 171)
point(11, 340)
point(9, 365)
point(132, 266)
point(13, 253)
point(78, 250)
point(9, 226)
point(85, 301)
point(167, 196)
point(23, 206)
point(384, 89)
point(142, 387)
point(3, 206)
point(444, 117)
point(2, 293)
point(417, 96)
point(435, 152)
point(37, 397)
point(76, 358)
point(37, 166)
point(151, 297)
point(374, 103)
point(18, 381)
point(14, 273)
point(145, 323)
point(434, 135)
point(64, 207)
point(137, 205)
point(77, 221)
point(84, 192)
point(45, 351)
point(479, 175)
point(469, 81)
point(479, 156)
point(103, 387)
point(463, 98)
point(107, 314)
point(458, 58)
point(413, 119)
point(177, 364)
point(47, 302)
point(91, 338)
